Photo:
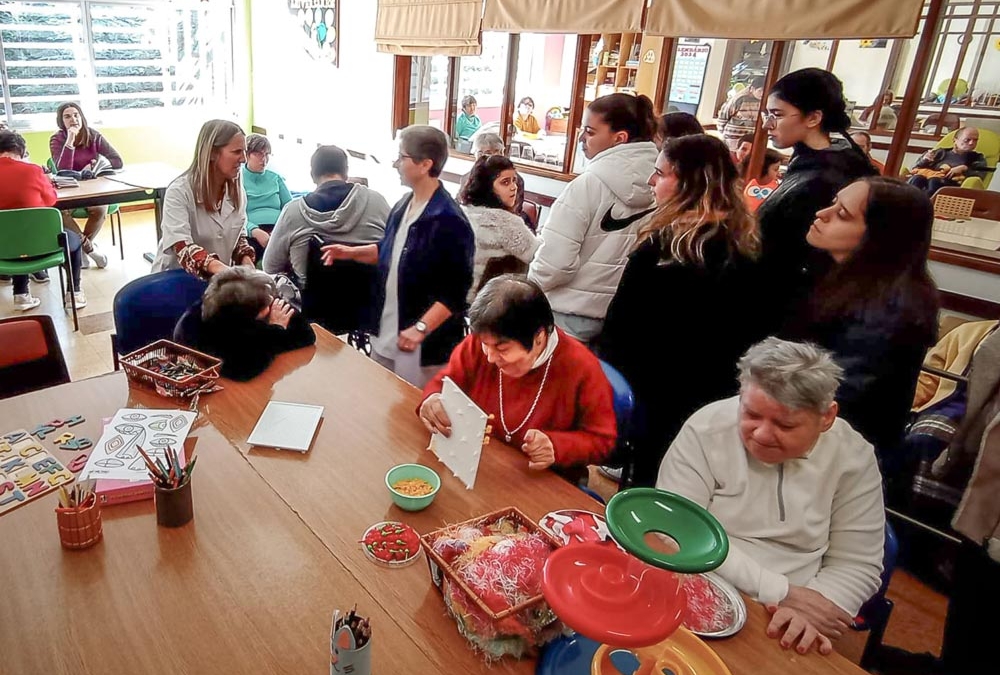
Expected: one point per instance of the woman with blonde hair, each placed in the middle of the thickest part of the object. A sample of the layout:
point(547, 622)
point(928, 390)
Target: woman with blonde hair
point(204, 209)
point(683, 313)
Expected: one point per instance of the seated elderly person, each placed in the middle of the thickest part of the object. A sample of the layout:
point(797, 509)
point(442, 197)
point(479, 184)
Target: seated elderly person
point(943, 167)
point(547, 392)
point(796, 488)
point(242, 320)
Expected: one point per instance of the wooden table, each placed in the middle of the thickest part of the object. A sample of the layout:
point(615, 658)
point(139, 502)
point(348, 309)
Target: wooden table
point(153, 177)
point(248, 586)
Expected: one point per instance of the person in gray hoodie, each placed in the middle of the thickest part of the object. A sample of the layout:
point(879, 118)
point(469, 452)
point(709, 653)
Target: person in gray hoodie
point(336, 212)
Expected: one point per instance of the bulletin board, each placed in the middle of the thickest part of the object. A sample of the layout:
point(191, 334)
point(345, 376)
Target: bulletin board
point(688, 76)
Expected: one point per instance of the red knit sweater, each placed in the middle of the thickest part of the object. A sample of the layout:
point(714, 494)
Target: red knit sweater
point(24, 185)
point(575, 409)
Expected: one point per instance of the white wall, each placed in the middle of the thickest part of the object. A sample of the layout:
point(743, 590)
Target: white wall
point(304, 98)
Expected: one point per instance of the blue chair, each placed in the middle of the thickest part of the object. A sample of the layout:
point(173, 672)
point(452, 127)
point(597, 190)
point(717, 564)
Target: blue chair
point(874, 614)
point(624, 404)
point(147, 309)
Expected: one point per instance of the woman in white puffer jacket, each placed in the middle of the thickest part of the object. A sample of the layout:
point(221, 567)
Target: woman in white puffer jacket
point(488, 199)
point(593, 224)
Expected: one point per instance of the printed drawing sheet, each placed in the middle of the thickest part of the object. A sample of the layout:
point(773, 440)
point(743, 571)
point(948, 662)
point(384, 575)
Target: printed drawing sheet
point(115, 457)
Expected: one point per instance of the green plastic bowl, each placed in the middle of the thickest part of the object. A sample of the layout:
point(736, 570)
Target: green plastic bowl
point(404, 471)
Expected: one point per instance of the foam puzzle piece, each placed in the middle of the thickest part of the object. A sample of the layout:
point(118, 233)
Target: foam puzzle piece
point(27, 471)
point(74, 420)
point(77, 444)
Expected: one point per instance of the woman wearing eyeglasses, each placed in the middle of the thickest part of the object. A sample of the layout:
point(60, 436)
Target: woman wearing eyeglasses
point(805, 111)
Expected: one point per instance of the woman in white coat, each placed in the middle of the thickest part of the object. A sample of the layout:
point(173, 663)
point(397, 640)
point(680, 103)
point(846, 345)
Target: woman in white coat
point(593, 224)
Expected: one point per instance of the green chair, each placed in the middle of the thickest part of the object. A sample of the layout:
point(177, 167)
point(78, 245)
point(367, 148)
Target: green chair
point(114, 212)
point(988, 146)
point(32, 240)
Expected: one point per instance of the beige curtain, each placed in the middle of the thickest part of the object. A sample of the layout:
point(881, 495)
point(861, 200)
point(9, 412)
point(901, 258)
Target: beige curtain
point(563, 16)
point(784, 19)
point(428, 27)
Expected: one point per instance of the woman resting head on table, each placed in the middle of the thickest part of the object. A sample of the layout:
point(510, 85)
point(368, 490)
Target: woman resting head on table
point(243, 320)
point(546, 391)
point(205, 208)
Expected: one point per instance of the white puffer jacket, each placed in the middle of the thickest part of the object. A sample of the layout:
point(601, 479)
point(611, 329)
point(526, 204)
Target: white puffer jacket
point(592, 228)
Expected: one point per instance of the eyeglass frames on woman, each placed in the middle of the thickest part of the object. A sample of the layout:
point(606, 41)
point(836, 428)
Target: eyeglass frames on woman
point(771, 118)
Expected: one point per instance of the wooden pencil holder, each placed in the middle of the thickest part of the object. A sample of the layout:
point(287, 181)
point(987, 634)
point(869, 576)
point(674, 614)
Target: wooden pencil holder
point(174, 506)
point(82, 527)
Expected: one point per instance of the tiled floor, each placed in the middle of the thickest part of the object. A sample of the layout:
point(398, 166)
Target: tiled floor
point(90, 354)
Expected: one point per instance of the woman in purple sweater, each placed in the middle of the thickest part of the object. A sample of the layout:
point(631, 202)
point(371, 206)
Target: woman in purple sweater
point(76, 147)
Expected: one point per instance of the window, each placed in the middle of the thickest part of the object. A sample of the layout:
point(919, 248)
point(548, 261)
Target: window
point(115, 59)
point(483, 78)
point(429, 90)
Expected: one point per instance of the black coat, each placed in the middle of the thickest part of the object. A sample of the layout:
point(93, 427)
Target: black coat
point(676, 331)
point(435, 266)
point(246, 345)
point(813, 179)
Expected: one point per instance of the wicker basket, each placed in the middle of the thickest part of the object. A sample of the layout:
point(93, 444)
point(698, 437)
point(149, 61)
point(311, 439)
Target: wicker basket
point(439, 570)
point(135, 368)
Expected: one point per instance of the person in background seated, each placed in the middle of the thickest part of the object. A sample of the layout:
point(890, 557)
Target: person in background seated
point(424, 264)
point(949, 166)
point(744, 146)
point(546, 391)
point(488, 200)
point(760, 187)
point(738, 115)
point(24, 186)
point(76, 147)
point(886, 116)
point(337, 212)
point(240, 320)
point(876, 308)
point(487, 145)
point(674, 125)
point(797, 490)
point(468, 121)
point(695, 265)
point(864, 141)
point(204, 209)
point(593, 224)
point(524, 120)
point(266, 193)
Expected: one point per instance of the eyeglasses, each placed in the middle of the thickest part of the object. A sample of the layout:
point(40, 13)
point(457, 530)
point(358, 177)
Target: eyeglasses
point(401, 157)
point(771, 118)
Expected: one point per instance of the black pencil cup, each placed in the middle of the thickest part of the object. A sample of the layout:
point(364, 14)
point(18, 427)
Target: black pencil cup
point(174, 506)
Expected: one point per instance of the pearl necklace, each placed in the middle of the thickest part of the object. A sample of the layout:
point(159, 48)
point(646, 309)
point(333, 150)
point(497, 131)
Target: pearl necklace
point(508, 433)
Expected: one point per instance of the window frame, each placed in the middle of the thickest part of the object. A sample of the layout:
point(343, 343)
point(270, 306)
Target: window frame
point(88, 82)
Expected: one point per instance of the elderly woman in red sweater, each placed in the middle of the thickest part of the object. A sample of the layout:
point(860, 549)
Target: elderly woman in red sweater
point(546, 391)
point(75, 147)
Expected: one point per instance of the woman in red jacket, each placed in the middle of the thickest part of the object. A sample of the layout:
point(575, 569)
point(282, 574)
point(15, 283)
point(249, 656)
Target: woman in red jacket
point(546, 391)
point(22, 186)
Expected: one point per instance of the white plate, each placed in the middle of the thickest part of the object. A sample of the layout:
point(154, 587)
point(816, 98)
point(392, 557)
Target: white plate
point(736, 617)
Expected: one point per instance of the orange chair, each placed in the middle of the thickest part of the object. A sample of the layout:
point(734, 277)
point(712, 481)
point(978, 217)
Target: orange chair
point(30, 355)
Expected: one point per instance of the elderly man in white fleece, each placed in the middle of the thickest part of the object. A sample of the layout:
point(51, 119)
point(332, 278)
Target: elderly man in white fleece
point(797, 490)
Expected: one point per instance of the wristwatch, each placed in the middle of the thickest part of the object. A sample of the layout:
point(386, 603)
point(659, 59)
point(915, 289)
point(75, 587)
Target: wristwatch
point(421, 326)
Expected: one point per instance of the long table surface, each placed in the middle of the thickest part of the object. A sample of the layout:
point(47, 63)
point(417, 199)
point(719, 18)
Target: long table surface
point(249, 585)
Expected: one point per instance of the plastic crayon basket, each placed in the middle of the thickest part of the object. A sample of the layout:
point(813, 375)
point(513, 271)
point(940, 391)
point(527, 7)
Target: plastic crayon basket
point(143, 367)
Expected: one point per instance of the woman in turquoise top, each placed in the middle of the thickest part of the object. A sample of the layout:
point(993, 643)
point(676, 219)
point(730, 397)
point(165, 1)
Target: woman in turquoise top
point(468, 121)
point(266, 193)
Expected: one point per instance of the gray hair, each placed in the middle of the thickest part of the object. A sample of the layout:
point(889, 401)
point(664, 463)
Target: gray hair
point(488, 141)
point(258, 143)
point(798, 375)
point(239, 290)
point(425, 142)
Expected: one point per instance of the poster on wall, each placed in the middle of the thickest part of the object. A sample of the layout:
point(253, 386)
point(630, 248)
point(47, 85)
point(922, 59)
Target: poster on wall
point(320, 22)
point(688, 78)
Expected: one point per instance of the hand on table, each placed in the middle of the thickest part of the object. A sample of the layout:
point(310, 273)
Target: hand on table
point(791, 627)
point(434, 416)
point(828, 618)
point(281, 313)
point(410, 339)
point(538, 447)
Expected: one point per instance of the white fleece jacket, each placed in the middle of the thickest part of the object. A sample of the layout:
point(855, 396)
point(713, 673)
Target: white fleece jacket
point(816, 522)
point(592, 228)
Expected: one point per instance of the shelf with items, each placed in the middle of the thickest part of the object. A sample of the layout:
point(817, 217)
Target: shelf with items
point(614, 62)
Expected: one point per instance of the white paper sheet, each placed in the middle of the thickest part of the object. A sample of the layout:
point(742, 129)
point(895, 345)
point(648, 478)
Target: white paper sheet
point(462, 451)
point(115, 456)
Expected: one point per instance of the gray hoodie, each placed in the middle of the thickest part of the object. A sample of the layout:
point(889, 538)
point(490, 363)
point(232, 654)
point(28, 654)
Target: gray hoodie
point(357, 218)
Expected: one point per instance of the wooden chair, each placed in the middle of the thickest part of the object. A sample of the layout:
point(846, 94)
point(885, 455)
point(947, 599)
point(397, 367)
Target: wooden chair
point(30, 355)
point(986, 204)
point(532, 210)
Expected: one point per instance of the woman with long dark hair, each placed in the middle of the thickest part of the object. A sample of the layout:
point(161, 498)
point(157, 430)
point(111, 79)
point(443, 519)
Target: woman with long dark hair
point(593, 223)
point(805, 110)
point(686, 307)
point(876, 307)
point(504, 244)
